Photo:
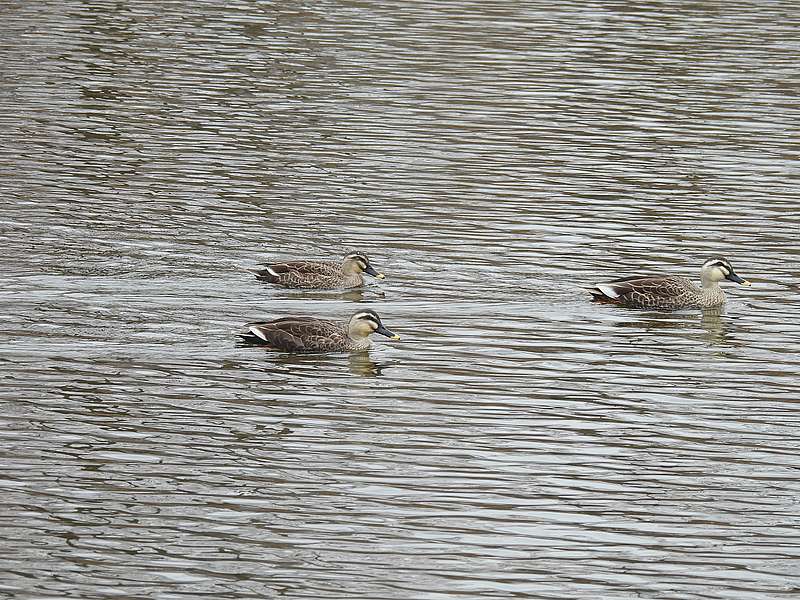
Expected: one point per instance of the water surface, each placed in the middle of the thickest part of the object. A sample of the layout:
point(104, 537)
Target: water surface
point(492, 158)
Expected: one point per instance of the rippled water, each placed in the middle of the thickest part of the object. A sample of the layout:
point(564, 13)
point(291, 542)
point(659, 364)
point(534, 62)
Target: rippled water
point(492, 158)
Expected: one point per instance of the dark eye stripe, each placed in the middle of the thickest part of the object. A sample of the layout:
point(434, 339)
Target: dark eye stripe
point(359, 257)
point(369, 317)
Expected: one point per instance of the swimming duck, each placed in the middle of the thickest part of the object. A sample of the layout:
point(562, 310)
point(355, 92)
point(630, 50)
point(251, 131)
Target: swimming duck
point(308, 334)
point(670, 292)
point(319, 275)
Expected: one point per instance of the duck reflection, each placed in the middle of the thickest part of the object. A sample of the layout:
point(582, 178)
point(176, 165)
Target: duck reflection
point(716, 329)
point(353, 295)
point(362, 365)
point(364, 294)
point(314, 365)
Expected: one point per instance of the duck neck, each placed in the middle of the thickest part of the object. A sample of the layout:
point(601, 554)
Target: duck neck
point(357, 333)
point(354, 280)
point(350, 268)
point(709, 284)
point(358, 341)
point(711, 294)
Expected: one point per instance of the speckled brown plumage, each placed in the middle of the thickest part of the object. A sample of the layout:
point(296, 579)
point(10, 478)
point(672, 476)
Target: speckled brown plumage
point(310, 274)
point(669, 292)
point(300, 334)
point(309, 334)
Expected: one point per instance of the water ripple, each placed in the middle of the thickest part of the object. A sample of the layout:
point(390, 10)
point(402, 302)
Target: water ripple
point(493, 159)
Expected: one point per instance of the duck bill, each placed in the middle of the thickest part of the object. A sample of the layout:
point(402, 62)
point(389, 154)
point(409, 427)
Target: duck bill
point(370, 271)
point(383, 331)
point(736, 279)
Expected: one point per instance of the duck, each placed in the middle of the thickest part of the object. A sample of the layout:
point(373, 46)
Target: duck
point(310, 334)
point(670, 292)
point(318, 274)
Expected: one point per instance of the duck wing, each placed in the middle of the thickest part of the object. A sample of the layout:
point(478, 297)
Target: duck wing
point(274, 272)
point(656, 286)
point(295, 334)
point(303, 266)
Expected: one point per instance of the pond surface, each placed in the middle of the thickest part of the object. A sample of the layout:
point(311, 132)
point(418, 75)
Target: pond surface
point(493, 159)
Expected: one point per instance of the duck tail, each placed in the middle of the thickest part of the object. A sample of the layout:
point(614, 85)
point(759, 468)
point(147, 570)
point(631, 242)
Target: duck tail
point(599, 295)
point(265, 274)
point(250, 338)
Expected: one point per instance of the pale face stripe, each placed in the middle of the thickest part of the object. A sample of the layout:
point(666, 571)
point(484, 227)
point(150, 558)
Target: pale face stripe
point(366, 316)
point(359, 257)
point(713, 263)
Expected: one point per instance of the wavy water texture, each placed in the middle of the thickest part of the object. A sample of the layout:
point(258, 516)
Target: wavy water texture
point(493, 158)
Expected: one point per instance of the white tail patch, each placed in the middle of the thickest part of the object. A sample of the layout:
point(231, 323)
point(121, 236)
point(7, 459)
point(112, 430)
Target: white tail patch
point(257, 332)
point(271, 272)
point(608, 290)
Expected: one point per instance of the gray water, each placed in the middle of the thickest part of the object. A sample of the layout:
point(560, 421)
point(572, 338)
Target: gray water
point(492, 158)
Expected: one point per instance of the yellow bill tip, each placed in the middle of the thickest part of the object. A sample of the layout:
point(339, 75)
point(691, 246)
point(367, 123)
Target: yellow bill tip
point(747, 283)
point(380, 276)
point(395, 337)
